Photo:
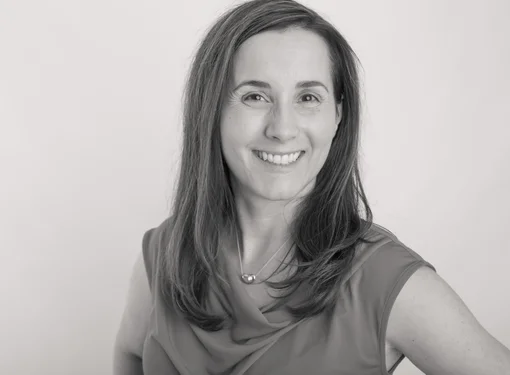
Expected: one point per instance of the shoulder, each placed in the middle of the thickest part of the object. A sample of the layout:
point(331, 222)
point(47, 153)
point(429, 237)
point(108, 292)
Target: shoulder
point(139, 301)
point(381, 267)
point(154, 241)
point(384, 258)
point(159, 235)
point(135, 317)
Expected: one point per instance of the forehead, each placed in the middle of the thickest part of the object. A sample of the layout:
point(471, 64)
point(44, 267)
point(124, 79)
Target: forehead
point(283, 57)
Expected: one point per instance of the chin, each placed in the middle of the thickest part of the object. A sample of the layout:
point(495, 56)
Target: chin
point(280, 194)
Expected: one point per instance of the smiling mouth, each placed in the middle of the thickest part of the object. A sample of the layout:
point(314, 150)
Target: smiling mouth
point(286, 159)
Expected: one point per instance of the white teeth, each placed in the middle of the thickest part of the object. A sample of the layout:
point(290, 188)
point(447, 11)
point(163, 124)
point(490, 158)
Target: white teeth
point(278, 159)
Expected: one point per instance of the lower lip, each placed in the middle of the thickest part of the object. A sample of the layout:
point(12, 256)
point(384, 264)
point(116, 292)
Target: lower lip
point(279, 166)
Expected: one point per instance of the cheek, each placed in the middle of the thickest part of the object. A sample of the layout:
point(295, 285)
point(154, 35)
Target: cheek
point(323, 131)
point(229, 129)
point(235, 136)
point(229, 142)
point(238, 128)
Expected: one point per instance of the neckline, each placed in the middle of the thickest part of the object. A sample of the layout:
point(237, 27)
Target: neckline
point(249, 321)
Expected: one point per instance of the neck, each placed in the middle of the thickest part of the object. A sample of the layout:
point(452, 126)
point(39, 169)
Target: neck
point(265, 225)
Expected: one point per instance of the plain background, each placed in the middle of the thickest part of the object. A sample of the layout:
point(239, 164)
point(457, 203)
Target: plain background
point(90, 101)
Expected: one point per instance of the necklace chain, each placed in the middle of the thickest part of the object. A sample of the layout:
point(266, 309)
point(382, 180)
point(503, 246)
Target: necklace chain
point(249, 278)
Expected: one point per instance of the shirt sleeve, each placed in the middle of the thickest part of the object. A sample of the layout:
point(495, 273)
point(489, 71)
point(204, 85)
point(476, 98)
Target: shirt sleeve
point(387, 267)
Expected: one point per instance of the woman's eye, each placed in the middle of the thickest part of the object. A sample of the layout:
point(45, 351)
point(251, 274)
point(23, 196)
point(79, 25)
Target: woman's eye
point(309, 98)
point(255, 97)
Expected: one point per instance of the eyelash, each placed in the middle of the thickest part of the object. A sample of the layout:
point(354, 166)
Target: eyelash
point(315, 97)
point(252, 95)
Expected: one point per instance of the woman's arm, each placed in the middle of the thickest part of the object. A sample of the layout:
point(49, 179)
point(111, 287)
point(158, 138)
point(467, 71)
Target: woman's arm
point(127, 357)
point(431, 325)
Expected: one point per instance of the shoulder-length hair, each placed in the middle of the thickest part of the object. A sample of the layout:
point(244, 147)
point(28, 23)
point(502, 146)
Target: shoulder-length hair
point(328, 224)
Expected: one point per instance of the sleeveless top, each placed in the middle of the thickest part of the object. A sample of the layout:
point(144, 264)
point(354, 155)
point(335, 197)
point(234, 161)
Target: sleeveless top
point(349, 341)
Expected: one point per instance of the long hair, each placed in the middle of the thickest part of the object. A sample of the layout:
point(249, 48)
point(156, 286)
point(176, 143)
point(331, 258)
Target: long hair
point(328, 224)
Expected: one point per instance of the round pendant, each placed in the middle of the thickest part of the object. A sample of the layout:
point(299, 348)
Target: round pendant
point(248, 278)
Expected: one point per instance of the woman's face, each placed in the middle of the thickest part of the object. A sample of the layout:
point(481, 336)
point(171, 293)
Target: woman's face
point(280, 117)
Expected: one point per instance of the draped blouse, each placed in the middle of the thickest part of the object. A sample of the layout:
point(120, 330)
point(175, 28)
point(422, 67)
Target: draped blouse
point(349, 341)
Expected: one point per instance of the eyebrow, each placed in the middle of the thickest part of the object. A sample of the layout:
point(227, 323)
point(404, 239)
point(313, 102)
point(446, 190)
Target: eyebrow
point(265, 85)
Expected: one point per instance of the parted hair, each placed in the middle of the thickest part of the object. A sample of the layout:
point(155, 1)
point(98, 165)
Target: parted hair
point(330, 221)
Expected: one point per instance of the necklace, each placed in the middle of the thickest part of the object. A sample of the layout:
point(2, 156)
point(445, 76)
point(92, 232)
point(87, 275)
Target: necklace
point(249, 278)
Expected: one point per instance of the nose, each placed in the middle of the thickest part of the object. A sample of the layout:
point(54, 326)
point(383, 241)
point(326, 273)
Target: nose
point(282, 123)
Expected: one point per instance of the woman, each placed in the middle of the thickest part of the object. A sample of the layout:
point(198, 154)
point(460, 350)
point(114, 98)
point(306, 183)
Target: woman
point(266, 265)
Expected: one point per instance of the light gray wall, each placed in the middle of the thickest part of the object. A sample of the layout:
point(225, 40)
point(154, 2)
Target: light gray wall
point(90, 95)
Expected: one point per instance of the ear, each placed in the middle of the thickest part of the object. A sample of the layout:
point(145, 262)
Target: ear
point(339, 112)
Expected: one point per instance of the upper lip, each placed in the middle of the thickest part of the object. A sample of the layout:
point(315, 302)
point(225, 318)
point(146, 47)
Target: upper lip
point(279, 153)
